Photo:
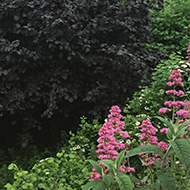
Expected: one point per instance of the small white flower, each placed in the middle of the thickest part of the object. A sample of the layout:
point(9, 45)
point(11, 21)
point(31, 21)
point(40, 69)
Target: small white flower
point(184, 66)
point(47, 173)
point(177, 162)
point(138, 134)
point(42, 160)
point(128, 141)
point(137, 123)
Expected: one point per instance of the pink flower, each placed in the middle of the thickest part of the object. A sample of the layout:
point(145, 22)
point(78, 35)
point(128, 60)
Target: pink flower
point(181, 121)
point(122, 169)
point(129, 169)
point(163, 145)
point(108, 145)
point(163, 110)
point(95, 175)
point(175, 76)
point(164, 130)
point(183, 113)
point(187, 69)
point(178, 93)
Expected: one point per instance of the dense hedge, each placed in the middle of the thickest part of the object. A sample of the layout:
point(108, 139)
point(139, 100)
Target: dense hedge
point(62, 59)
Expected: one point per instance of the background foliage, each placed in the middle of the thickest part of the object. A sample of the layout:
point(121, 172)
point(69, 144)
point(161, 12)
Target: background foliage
point(172, 27)
point(64, 59)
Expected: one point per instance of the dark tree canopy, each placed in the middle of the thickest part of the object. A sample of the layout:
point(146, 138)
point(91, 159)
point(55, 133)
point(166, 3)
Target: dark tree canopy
point(61, 59)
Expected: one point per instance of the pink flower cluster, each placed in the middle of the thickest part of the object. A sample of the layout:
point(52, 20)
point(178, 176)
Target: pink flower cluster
point(148, 132)
point(188, 54)
point(164, 130)
point(175, 104)
point(108, 141)
point(184, 112)
point(175, 76)
point(163, 110)
point(178, 93)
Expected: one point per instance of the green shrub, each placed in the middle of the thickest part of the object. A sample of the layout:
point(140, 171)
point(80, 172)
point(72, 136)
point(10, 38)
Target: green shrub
point(149, 99)
point(67, 171)
point(85, 140)
point(172, 26)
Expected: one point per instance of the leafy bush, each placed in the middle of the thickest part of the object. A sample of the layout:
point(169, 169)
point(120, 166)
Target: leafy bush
point(148, 99)
point(84, 141)
point(172, 26)
point(61, 59)
point(64, 171)
point(68, 171)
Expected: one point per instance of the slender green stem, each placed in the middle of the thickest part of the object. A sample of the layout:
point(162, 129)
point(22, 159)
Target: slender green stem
point(164, 158)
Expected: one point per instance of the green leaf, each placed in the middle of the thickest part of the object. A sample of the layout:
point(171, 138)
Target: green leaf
point(124, 181)
point(59, 155)
point(134, 179)
point(181, 132)
point(97, 166)
point(169, 134)
point(119, 159)
point(184, 124)
point(157, 163)
point(108, 163)
point(90, 185)
point(41, 185)
point(165, 121)
point(182, 149)
point(144, 149)
point(11, 166)
point(101, 185)
point(108, 179)
point(72, 156)
point(167, 180)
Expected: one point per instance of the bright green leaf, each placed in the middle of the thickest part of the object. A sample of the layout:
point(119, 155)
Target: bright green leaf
point(108, 163)
point(124, 181)
point(119, 159)
point(182, 149)
point(97, 166)
point(90, 185)
point(144, 149)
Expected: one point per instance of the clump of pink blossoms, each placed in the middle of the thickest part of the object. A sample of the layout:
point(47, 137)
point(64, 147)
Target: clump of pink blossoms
point(109, 143)
point(147, 136)
point(188, 54)
point(176, 80)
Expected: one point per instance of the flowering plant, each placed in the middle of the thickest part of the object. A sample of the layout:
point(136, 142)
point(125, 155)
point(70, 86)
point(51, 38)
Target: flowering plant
point(111, 170)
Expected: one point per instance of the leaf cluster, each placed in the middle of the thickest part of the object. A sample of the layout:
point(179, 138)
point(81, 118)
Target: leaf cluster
point(172, 26)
